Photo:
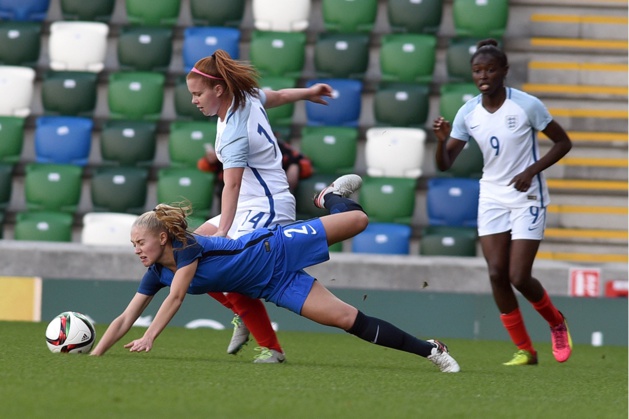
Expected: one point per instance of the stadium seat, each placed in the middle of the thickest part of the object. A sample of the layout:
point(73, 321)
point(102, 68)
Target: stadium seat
point(63, 139)
point(454, 95)
point(70, 93)
point(343, 107)
point(43, 226)
point(78, 46)
point(383, 238)
point(20, 43)
point(24, 10)
point(202, 41)
point(187, 140)
point(128, 143)
point(281, 15)
point(217, 12)
point(16, 90)
point(12, 138)
point(452, 202)
point(119, 189)
point(388, 199)
point(185, 184)
point(52, 187)
point(484, 19)
point(332, 150)
point(136, 94)
point(341, 55)
point(415, 16)
point(458, 55)
point(402, 104)
point(278, 53)
point(468, 164)
point(279, 116)
point(143, 48)
point(6, 185)
point(408, 57)
point(395, 152)
point(153, 13)
point(349, 15)
point(448, 241)
point(93, 10)
point(184, 108)
point(306, 190)
point(107, 228)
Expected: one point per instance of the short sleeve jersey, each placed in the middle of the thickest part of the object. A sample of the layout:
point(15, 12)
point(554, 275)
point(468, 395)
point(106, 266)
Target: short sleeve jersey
point(245, 139)
point(509, 143)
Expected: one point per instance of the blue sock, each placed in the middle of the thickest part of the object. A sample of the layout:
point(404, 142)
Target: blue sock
point(336, 203)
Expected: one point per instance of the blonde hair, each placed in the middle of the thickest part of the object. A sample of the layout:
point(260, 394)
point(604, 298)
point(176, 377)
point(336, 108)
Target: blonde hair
point(240, 79)
point(170, 219)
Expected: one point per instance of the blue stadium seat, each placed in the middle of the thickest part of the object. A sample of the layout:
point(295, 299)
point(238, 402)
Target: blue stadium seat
point(343, 107)
point(203, 41)
point(63, 139)
point(383, 238)
point(452, 201)
point(24, 10)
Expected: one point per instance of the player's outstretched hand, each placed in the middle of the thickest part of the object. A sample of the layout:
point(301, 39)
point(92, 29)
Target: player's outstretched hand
point(441, 128)
point(140, 345)
point(318, 92)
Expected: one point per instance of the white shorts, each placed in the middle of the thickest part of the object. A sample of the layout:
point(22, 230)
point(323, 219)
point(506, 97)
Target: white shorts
point(526, 223)
point(260, 212)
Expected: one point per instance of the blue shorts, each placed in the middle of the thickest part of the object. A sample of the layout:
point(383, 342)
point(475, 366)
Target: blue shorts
point(300, 245)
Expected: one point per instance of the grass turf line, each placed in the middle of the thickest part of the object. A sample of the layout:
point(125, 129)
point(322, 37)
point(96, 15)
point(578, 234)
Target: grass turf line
point(327, 376)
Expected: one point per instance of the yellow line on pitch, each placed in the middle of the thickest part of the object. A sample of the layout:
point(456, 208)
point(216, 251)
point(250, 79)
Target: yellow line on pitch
point(594, 185)
point(593, 161)
point(587, 209)
point(595, 136)
point(583, 257)
point(599, 19)
point(578, 43)
point(590, 113)
point(570, 65)
point(586, 234)
point(575, 89)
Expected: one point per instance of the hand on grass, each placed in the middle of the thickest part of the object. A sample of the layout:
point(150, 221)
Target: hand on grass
point(143, 344)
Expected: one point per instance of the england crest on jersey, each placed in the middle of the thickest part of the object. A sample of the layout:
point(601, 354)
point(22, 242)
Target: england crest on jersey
point(511, 122)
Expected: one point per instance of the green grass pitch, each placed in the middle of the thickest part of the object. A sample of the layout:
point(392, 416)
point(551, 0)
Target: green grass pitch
point(189, 375)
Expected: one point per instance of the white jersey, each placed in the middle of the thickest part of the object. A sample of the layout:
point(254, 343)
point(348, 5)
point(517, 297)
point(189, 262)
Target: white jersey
point(245, 139)
point(508, 141)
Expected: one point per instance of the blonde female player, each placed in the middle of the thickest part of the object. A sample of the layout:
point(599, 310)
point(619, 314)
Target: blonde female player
point(513, 192)
point(266, 263)
point(256, 191)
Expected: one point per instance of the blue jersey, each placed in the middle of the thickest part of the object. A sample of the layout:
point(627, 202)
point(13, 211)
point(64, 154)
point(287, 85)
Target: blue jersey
point(262, 264)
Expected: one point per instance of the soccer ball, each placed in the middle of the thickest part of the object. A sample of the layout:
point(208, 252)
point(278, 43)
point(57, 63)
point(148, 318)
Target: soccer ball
point(70, 332)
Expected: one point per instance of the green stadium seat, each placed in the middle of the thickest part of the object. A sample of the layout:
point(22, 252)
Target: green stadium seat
point(136, 95)
point(408, 57)
point(332, 150)
point(349, 16)
point(458, 56)
point(98, 10)
point(454, 95)
point(279, 116)
point(52, 187)
point(388, 199)
point(128, 143)
point(43, 226)
point(20, 43)
point(415, 16)
point(278, 53)
point(70, 93)
point(305, 192)
point(484, 19)
point(341, 55)
point(143, 48)
point(217, 12)
point(468, 164)
point(6, 185)
point(119, 189)
point(402, 104)
point(448, 241)
point(153, 13)
point(184, 108)
point(12, 135)
point(187, 140)
point(185, 184)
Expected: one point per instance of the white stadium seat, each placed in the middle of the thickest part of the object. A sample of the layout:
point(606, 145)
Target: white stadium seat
point(16, 90)
point(78, 46)
point(395, 152)
point(107, 228)
point(281, 15)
